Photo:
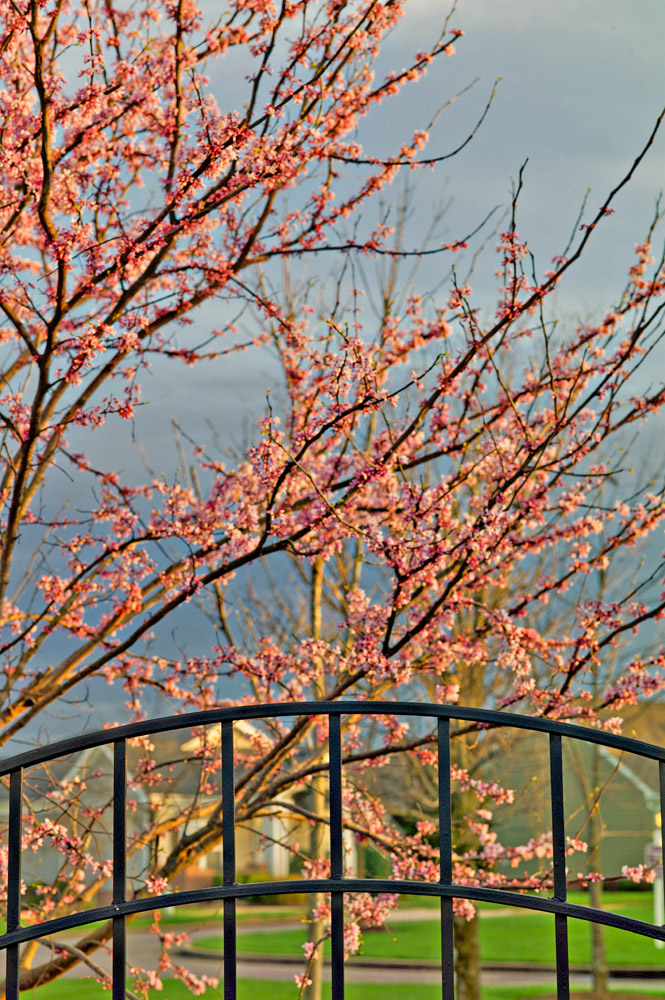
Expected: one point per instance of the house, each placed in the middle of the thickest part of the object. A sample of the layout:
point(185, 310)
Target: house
point(167, 788)
point(76, 793)
point(624, 788)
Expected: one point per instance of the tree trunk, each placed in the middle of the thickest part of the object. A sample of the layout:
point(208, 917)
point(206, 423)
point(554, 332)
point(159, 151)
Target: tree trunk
point(318, 847)
point(467, 958)
point(316, 928)
point(599, 969)
point(467, 947)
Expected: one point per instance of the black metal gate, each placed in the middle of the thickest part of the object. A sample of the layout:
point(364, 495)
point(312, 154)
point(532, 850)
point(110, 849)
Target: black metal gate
point(230, 891)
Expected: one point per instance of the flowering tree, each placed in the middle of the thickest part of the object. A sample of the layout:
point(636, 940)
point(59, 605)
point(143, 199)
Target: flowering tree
point(422, 454)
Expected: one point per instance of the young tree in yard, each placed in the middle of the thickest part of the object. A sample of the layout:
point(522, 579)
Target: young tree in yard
point(445, 454)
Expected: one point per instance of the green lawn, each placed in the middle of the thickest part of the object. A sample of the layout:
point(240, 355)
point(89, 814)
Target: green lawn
point(261, 989)
point(258, 913)
point(213, 914)
point(530, 937)
point(519, 936)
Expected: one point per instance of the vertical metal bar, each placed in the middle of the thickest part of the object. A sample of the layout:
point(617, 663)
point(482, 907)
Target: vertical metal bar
point(336, 855)
point(119, 866)
point(14, 880)
point(661, 782)
point(229, 860)
point(559, 861)
point(446, 862)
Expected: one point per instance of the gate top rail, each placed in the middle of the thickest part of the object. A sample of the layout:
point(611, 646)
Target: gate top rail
point(236, 713)
point(337, 885)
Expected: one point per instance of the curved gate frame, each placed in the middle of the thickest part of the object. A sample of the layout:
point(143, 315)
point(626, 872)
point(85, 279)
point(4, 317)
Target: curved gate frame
point(337, 884)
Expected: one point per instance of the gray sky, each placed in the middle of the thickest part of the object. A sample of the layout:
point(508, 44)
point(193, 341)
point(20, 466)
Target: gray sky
point(581, 87)
point(582, 84)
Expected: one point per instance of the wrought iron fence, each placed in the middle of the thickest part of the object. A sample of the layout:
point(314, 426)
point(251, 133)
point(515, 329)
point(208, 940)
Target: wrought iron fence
point(337, 884)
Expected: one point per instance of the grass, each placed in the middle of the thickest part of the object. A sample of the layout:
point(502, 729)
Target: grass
point(201, 915)
point(530, 937)
point(265, 912)
point(262, 989)
point(623, 900)
point(204, 914)
point(517, 936)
